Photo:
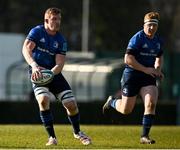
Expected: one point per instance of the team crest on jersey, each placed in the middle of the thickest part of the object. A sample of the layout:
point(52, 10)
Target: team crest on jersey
point(42, 40)
point(55, 45)
point(125, 90)
point(145, 46)
point(64, 46)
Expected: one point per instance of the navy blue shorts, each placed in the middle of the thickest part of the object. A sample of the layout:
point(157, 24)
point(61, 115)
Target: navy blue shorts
point(132, 82)
point(57, 85)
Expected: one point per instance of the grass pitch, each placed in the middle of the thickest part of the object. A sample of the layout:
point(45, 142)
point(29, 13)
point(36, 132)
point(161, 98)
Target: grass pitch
point(103, 137)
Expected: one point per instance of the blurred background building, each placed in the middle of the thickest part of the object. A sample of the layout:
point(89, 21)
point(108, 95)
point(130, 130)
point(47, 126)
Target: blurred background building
point(98, 32)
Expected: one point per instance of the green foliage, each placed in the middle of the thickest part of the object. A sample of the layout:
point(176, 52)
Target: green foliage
point(116, 21)
point(103, 137)
point(111, 23)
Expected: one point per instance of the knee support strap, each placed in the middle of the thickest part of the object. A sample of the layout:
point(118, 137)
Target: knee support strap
point(66, 96)
point(41, 91)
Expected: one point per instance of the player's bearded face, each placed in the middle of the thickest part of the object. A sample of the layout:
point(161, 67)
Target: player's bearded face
point(54, 22)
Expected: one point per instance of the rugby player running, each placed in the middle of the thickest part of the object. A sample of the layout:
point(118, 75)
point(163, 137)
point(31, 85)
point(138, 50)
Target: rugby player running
point(143, 64)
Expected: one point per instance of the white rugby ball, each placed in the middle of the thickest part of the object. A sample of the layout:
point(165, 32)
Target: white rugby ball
point(47, 76)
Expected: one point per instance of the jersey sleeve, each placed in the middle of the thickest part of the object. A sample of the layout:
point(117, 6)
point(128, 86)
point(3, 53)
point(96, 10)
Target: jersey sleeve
point(33, 35)
point(133, 45)
point(63, 47)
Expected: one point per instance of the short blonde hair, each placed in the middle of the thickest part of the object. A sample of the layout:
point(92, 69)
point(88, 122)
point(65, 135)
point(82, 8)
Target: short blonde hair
point(52, 10)
point(152, 17)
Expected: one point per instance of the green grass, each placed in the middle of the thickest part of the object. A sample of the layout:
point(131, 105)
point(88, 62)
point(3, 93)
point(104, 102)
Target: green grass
point(103, 137)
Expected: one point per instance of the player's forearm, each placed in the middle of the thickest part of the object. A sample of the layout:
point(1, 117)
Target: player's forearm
point(159, 63)
point(28, 58)
point(27, 52)
point(132, 62)
point(57, 69)
point(60, 60)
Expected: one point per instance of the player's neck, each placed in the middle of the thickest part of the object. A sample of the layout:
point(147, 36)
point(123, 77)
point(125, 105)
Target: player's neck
point(150, 36)
point(50, 32)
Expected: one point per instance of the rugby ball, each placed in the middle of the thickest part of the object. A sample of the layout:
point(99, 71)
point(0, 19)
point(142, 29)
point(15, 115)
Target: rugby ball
point(47, 76)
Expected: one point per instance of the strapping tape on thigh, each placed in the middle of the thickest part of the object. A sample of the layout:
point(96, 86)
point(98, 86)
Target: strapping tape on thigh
point(66, 96)
point(41, 91)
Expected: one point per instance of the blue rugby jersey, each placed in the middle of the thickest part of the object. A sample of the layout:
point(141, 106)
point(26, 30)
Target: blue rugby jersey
point(144, 49)
point(47, 46)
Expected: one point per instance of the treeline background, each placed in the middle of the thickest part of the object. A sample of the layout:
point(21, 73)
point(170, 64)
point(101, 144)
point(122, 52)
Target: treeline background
point(111, 23)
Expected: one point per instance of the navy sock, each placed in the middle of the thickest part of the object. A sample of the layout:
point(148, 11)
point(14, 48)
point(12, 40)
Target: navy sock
point(147, 123)
point(47, 120)
point(74, 120)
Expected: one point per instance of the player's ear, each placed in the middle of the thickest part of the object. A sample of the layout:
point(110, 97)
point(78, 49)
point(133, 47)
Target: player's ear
point(46, 20)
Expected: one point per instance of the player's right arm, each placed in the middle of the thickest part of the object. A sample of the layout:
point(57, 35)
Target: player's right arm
point(27, 49)
point(133, 63)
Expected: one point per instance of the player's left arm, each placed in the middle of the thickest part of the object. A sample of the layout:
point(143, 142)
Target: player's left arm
point(158, 66)
point(60, 60)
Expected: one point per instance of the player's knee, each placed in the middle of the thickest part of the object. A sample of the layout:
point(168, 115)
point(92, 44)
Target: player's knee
point(71, 107)
point(43, 102)
point(42, 95)
point(68, 101)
